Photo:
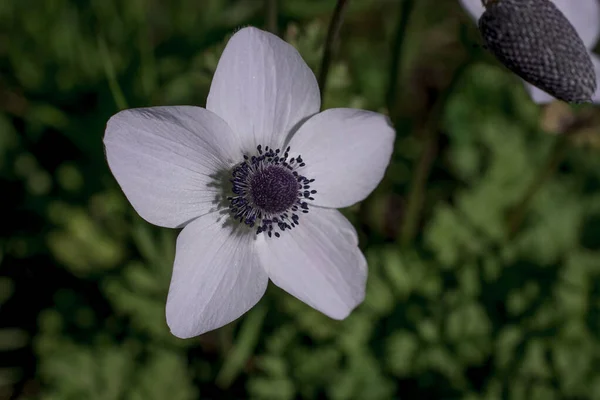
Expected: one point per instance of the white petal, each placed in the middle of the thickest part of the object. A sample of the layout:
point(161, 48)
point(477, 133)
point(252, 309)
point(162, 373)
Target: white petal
point(165, 159)
point(346, 151)
point(263, 88)
point(217, 277)
point(318, 262)
point(473, 7)
point(538, 95)
point(584, 15)
point(596, 62)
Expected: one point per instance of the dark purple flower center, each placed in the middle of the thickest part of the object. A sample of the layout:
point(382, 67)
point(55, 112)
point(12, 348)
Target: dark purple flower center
point(273, 189)
point(268, 191)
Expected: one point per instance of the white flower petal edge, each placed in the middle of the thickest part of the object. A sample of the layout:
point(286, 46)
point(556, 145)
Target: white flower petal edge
point(473, 7)
point(538, 95)
point(263, 88)
point(584, 15)
point(216, 278)
point(318, 262)
point(163, 157)
point(596, 62)
point(347, 152)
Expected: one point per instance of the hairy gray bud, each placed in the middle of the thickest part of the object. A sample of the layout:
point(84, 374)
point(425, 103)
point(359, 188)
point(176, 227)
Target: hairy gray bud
point(535, 40)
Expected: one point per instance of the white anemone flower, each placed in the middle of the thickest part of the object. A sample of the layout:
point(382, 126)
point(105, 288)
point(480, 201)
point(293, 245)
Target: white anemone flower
point(255, 179)
point(584, 15)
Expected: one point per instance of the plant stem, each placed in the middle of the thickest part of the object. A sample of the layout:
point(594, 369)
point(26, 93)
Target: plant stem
point(583, 122)
point(331, 43)
point(418, 186)
point(556, 156)
point(271, 16)
point(405, 11)
point(245, 344)
point(109, 71)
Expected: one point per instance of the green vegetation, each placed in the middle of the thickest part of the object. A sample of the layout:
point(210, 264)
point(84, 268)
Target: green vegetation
point(488, 293)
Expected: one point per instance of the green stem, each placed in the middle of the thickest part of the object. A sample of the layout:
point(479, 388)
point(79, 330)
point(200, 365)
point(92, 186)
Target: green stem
point(556, 156)
point(418, 187)
point(239, 354)
point(416, 197)
point(271, 16)
point(109, 71)
point(405, 10)
point(331, 43)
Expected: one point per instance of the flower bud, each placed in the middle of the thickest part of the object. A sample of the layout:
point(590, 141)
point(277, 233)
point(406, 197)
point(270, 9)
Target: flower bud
point(536, 41)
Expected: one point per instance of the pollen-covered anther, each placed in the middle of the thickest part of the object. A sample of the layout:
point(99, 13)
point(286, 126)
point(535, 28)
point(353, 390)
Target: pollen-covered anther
point(269, 192)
